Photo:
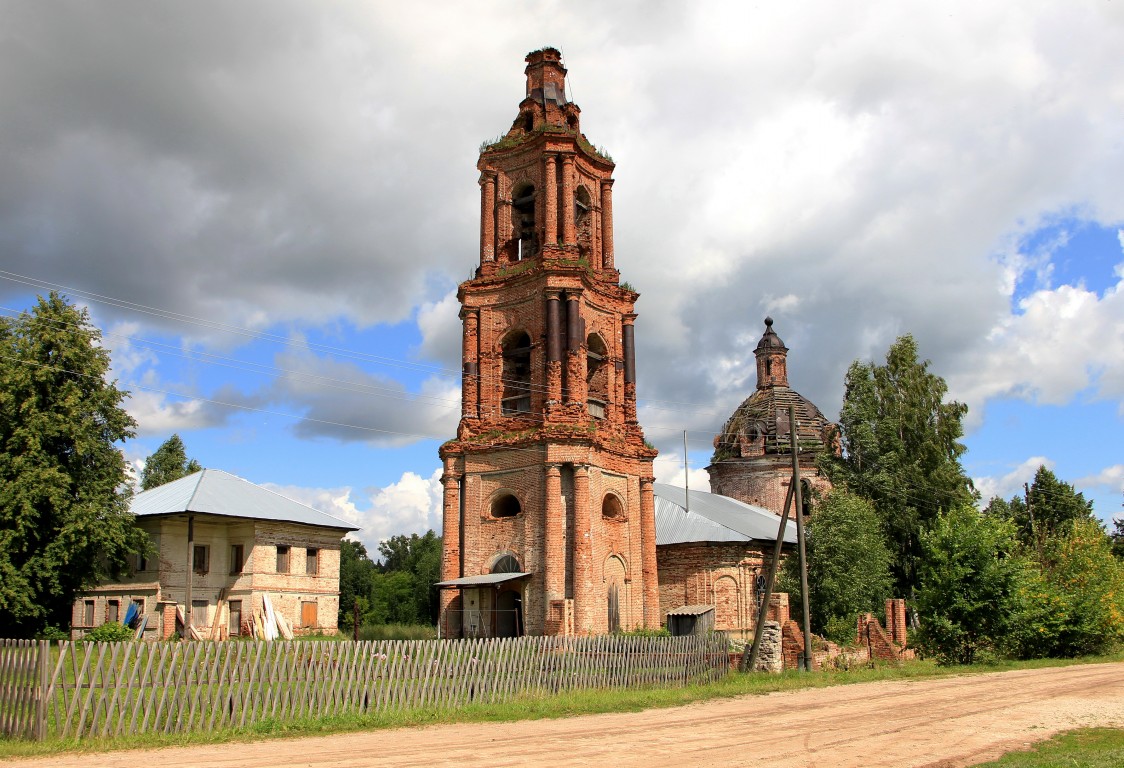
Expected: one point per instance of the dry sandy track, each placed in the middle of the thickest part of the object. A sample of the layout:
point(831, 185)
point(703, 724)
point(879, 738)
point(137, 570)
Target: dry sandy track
point(957, 721)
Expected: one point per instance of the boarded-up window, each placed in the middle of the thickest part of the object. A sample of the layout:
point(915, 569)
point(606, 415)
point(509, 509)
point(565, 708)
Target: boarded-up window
point(282, 558)
point(88, 614)
point(235, 627)
point(200, 559)
point(198, 613)
point(236, 558)
point(312, 561)
point(308, 614)
point(113, 611)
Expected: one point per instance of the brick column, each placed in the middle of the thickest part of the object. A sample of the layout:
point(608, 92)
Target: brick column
point(553, 551)
point(575, 381)
point(583, 567)
point(607, 223)
point(569, 231)
point(553, 346)
point(488, 217)
point(651, 587)
point(470, 354)
point(450, 535)
point(551, 200)
point(503, 217)
point(628, 335)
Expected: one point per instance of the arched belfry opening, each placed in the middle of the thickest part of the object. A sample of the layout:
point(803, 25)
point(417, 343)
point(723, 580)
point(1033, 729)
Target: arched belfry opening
point(596, 376)
point(516, 374)
point(523, 218)
point(583, 222)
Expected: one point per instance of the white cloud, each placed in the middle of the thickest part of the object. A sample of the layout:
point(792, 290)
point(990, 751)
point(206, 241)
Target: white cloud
point(412, 504)
point(1110, 478)
point(1010, 484)
point(668, 468)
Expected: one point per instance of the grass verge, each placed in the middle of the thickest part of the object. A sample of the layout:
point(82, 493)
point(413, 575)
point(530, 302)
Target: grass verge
point(1085, 748)
point(587, 702)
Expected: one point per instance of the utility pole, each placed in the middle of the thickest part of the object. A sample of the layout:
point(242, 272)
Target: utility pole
point(190, 568)
point(749, 662)
point(796, 495)
point(686, 478)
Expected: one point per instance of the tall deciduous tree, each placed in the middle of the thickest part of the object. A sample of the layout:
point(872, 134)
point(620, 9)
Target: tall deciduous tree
point(64, 519)
point(848, 564)
point(169, 462)
point(901, 450)
point(420, 556)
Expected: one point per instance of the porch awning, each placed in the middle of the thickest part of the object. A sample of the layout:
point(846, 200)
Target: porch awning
point(483, 580)
point(690, 610)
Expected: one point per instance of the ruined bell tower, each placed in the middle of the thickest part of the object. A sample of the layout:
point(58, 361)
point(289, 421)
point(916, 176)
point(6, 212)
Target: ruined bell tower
point(548, 506)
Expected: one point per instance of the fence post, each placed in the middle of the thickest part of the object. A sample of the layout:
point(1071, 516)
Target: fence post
point(44, 683)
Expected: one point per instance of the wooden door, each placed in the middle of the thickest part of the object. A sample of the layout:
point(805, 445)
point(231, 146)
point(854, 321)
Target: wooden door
point(308, 614)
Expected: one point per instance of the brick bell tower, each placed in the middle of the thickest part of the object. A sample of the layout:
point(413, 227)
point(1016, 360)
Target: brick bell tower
point(549, 524)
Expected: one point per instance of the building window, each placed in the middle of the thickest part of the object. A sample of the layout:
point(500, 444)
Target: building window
point(200, 559)
point(523, 217)
point(308, 614)
point(236, 558)
point(505, 505)
point(139, 603)
point(611, 507)
point(596, 376)
point(199, 613)
point(282, 558)
point(516, 374)
point(112, 611)
point(312, 561)
point(88, 614)
point(235, 622)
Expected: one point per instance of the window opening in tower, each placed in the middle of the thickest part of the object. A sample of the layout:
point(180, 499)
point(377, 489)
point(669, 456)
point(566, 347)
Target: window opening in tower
point(516, 374)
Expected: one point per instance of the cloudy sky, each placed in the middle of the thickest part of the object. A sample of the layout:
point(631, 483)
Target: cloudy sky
point(267, 207)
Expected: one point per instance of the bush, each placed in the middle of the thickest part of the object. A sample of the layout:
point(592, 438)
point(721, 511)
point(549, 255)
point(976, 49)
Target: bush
point(971, 582)
point(110, 632)
point(397, 632)
point(53, 634)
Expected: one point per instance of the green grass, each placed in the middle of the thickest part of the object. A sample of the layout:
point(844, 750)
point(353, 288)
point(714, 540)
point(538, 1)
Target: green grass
point(1086, 748)
point(541, 707)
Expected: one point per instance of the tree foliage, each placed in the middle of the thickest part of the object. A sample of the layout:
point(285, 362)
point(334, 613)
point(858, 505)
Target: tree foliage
point(1117, 537)
point(848, 565)
point(1054, 506)
point(901, 450)
point(169, 462)
point(396, 590)
point(64, 518)
point(971, 579)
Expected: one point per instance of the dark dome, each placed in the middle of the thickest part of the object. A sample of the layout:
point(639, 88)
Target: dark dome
point(770, 339)
point(760, 426)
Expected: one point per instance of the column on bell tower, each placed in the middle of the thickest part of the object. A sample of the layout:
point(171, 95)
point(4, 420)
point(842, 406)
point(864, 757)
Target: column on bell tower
point(551, 199)
point(569, 232)
point(487, 217)
point(607, 224)
point(470, 354)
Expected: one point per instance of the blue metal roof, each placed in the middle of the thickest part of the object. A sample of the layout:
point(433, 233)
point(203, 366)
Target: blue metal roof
point(214, 492)
point(713, 518)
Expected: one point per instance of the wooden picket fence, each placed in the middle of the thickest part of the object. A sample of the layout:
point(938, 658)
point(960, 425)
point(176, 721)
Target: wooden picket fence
point(77, 690)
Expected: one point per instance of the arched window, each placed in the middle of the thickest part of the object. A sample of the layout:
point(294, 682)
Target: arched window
point(596, 376)
point(583, 221)
point(516, 374)
point(611, 507)
point(505, 505)
point(507, 564)
point(523, 220)
point(805, 498)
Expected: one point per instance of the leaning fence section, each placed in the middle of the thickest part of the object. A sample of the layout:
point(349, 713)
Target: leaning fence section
point(80, 690)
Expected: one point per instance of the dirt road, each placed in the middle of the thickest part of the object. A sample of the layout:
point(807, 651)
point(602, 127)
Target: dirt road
point(945, 722)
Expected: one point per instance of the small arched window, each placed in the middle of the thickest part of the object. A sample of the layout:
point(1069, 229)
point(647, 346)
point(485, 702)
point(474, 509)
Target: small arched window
point(506, 505)
point(507, 564)
point(805, 498)
point(523, 222)
point(611, 507)
point(596, 376)
point(516, 374)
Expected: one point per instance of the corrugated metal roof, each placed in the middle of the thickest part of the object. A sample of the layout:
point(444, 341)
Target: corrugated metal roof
point(215, 492)
point(712, 518)
point(483, 580)
point(690, 610)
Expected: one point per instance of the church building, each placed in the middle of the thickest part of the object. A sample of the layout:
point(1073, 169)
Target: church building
point(548, 486)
